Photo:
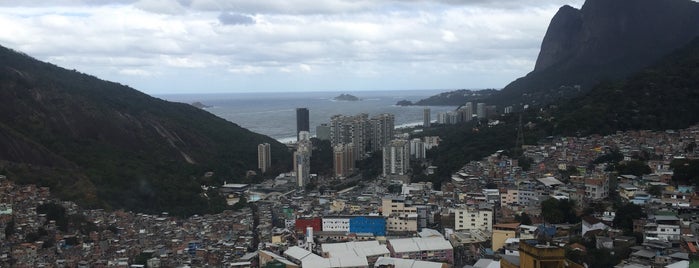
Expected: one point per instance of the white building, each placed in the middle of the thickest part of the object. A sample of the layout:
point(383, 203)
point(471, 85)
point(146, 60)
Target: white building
point(396, 158)
point(418, 149)
point(302, 159)
point(473, 218)
point(596, 188)
point(332, 224)
point(264, 158)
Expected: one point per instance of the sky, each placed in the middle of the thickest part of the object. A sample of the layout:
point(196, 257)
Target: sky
point(221, 46)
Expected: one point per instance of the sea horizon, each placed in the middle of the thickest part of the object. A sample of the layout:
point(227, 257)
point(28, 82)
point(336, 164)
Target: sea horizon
point(273, 113)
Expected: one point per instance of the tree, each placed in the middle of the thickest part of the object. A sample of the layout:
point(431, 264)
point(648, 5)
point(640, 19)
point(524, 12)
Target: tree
point(524, 218)
point(655, 190)
point(559, 211)
point(550, 212)
point(633, 167)
point(626, 214)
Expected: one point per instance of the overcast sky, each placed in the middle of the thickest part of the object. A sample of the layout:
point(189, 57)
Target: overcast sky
point(201, 46)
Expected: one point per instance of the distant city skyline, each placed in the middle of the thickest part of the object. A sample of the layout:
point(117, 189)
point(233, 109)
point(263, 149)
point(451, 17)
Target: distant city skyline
point(228, 46)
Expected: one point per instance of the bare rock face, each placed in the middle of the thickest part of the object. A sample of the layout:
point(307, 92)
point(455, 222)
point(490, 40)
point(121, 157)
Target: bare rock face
point(604, 40)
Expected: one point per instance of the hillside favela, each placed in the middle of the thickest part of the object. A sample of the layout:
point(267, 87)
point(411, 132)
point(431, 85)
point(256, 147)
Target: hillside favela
point(343, 134)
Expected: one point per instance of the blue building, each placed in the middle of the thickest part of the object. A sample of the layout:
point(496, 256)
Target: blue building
point(368, 224)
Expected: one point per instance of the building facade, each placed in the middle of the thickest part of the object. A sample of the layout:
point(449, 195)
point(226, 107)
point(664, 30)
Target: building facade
point(396, 158)
point(343, 160)
point(381, 131)
point(264, 157)
point(302, 121)
point(473, 218)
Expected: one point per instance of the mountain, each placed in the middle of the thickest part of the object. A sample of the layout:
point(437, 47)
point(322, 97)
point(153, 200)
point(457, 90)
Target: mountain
point(603, 40)
point(107, 145)
point(663, 96)
point(452, 98)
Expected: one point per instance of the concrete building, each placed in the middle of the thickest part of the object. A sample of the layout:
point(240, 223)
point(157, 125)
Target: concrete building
point(323, 132)
point(375, 225)
point(396, 158)
point(343, 160)
point(466, 112)
point(532, 255)
point(264, 157)
point(336, 224)
point(426, 118)
point(351, 129)
point(381, 131)
point(400, 215)
point(480, 110)
point(302, 121)
point(417, 149)
point(596, 188)
point(436, 249)
point(473, 218)
point(501, 232)
point(302, 160)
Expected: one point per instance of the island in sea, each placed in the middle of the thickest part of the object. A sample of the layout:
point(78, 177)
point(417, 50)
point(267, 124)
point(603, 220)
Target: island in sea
point(346, 97)
point(200, 105)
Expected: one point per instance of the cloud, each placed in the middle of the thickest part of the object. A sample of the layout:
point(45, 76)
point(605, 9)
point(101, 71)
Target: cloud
point(230, 18)
point(390, 43)
point(136, 72)
point(449, 36)
point(160, 6)
point(247, 70)
point(305, 68)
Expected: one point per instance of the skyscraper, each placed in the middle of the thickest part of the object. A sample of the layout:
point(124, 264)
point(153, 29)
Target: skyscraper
point(396, 158)
point(351, 129)
point(263, 157)
point(343, 160)
point(302, 159)
point(466, 112)
point(480, 110)
point(426, 118)
point(417, 148)
point(323, 132)
point(302, 121)
point(381, 131)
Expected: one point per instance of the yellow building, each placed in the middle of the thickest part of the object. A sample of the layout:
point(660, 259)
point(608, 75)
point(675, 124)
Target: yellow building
point(503, 231)
point(538, 256)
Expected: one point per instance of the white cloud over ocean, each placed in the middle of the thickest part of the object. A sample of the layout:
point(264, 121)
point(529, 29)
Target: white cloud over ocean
point(167, 46)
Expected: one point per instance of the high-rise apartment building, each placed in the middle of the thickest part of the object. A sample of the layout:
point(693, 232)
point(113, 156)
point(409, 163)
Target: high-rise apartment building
point(381, 129)
point(264, 158)
point(466, 112)
point(323, 132)
point(426, 118)
point(417, 149)
point(480, 110)
point(302, 121)
point(343, 160)
point(351, 129)
point(302, 159)
point(396, 158)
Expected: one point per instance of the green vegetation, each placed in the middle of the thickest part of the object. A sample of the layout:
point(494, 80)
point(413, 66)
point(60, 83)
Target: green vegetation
point(322, 160)
point(661, 97)
point(452, 98)
point(686, 171)
point(639, 102)
point(633, 167)
point(524, 219)
point(625, 215)
point(103, 144)
point(559, 211)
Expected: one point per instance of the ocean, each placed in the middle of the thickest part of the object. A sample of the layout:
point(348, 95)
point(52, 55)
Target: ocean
point(274, 114)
